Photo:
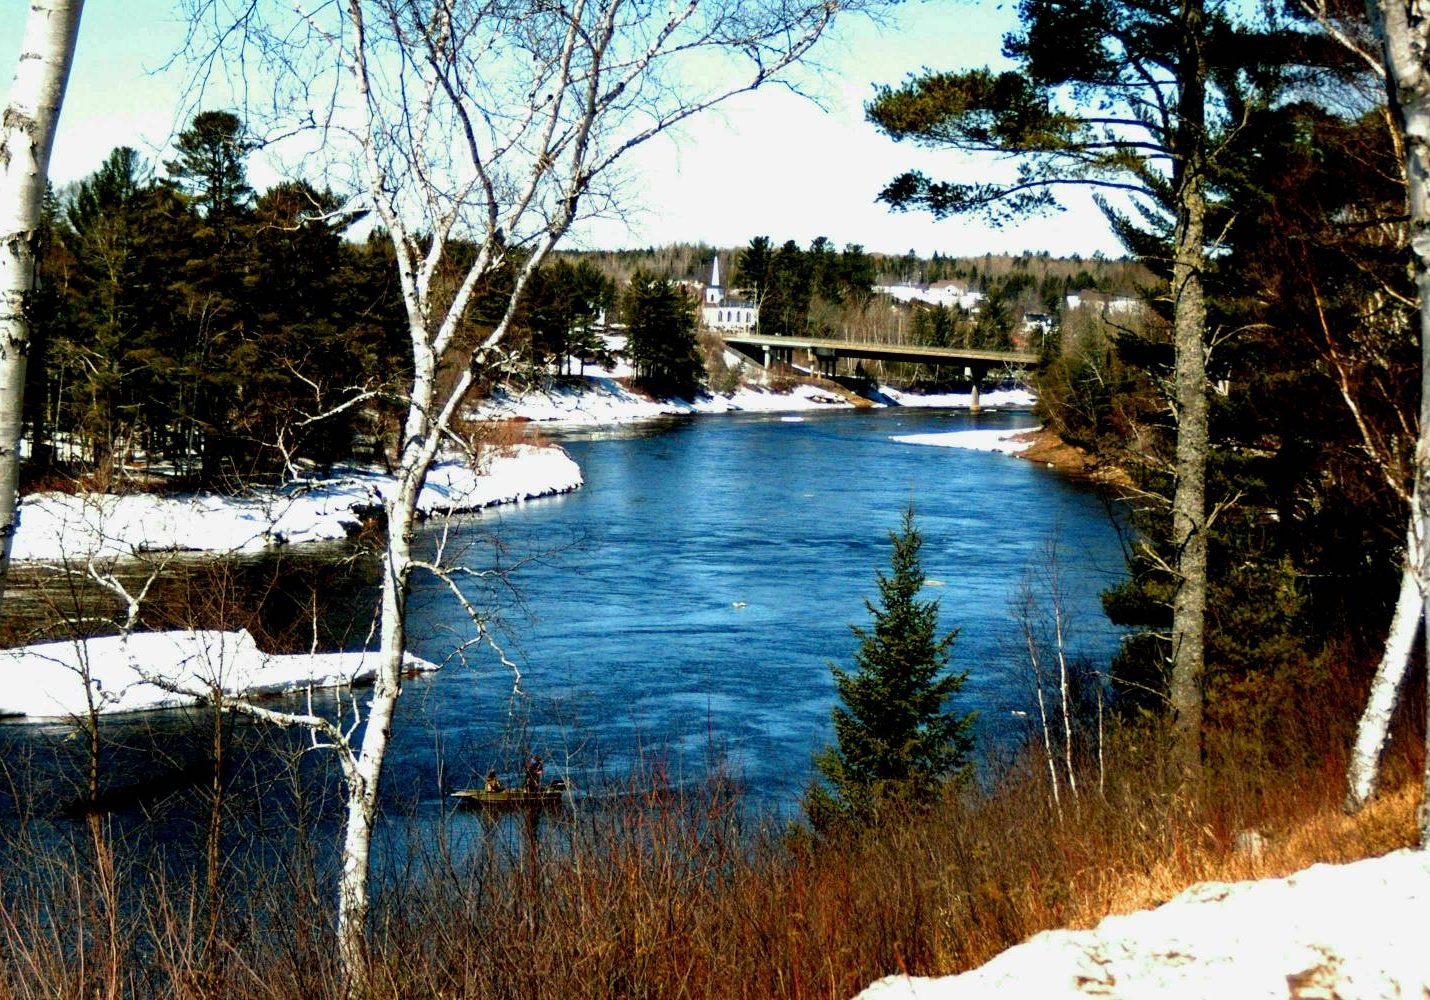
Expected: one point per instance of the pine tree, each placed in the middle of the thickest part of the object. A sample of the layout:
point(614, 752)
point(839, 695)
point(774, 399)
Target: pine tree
point(896, 741)
point(660, 324)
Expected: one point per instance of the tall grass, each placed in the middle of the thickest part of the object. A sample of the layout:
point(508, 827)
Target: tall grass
point(683, 895)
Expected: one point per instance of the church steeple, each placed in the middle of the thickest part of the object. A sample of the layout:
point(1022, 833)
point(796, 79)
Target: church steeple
point(714, 294)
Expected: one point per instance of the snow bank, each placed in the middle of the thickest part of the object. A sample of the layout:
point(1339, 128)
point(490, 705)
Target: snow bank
point(149, 670)
point(55, 526)
point(1347, 931)
point(993, 399)
point(1000, 440)
point(598, 400)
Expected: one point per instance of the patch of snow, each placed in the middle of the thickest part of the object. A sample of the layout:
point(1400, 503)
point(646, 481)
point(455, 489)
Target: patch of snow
point(1353, 931)
point(58, 526)
point(597, 400)
point(999, 440)
point(993, 399)
point(143, 671)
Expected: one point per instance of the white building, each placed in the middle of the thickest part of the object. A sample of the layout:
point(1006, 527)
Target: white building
point(721, 313)
point(941, 293)
point(1103, 302)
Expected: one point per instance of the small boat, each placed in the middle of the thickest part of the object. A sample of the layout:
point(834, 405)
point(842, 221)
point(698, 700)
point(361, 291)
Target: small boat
point(511, 798)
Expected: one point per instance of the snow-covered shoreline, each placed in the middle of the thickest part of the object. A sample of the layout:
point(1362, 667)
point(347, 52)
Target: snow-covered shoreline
point(600, 399)
point(64, 527)
point(144, 671)
point(1001, 440)
point(56, 527)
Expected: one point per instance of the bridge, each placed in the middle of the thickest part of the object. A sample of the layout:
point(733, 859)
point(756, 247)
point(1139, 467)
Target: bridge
point(827, 351)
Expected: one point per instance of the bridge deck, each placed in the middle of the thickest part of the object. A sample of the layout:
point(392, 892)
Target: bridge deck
point(886, 352)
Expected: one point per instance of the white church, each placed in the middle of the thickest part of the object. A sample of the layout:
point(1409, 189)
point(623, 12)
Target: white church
point(721, 313)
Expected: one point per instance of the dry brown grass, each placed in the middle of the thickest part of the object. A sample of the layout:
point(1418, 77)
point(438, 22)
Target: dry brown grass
point(680, 896)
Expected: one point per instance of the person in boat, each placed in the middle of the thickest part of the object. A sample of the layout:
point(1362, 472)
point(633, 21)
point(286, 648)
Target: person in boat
point(534, 769)
point(493, 784)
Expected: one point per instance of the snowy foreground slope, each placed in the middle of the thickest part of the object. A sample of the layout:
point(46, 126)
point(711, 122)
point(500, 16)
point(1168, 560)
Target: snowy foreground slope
point(60, 526)
point(1352, 932)
point(149, 670)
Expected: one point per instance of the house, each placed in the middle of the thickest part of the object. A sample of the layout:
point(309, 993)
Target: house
point(721, 312)
point(1102, 302)
point(941, 293)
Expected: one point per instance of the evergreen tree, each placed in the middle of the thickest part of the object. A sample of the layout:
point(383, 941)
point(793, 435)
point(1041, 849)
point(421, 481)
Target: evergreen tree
point(896, 741)
point(752, 267)
point(784, 304)
point(660, 323)
point(210, 165)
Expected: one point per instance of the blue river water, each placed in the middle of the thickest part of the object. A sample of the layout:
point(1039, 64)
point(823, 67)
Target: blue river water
point(678, 614)
point(685, 606)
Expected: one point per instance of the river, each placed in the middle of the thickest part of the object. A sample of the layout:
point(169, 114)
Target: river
point(684, 607)
point(686, 604)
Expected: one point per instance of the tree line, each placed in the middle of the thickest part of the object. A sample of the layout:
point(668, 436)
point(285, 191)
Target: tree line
point(185, 320)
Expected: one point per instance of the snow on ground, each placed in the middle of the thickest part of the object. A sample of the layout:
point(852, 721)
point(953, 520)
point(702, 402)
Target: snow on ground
point(58, 526)
point(149, 670)
point(602, 400)
point(1352, 931)
point(1000, 440)
point(993, 399)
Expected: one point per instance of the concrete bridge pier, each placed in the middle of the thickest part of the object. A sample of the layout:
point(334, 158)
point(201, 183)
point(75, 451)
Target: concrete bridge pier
point(976, 372)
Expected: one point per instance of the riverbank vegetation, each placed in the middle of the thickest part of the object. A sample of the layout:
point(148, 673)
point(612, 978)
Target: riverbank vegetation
point(1263, 400)
point(670, 893)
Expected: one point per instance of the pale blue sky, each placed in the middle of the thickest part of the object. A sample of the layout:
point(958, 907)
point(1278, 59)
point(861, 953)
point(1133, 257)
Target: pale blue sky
point(770, 163)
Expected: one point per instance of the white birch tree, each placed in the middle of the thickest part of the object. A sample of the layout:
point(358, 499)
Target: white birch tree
point(27, 135)
point(481, 131)
point(1403, 30)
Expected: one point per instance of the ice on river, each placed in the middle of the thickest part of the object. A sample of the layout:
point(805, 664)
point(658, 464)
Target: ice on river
point(150, 670)
point(59, 526)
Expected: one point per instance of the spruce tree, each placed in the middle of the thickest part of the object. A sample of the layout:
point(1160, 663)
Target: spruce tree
point(897, 742)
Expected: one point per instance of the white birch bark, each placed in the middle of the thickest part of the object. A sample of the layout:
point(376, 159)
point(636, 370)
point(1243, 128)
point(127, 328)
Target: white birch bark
point(1401, 26)
point(1374, 727)
point(27, 135)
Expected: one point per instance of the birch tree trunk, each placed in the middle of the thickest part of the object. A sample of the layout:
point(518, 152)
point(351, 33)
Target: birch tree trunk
point(1189, 538)
point(27, 135)
point(438, 169)
point(1402, 28)
point(1374, 727)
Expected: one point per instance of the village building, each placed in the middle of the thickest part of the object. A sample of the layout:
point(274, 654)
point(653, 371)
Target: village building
point(1103, 302)
point(941, 293)
point(722, 312)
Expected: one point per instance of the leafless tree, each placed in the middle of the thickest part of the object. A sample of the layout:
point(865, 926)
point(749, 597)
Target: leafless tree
point(479, 132)
point(1399, 32)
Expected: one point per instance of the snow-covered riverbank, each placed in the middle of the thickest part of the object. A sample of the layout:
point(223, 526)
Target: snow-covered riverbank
point(1002, 440)
point(58, 527)
point(151, 670)
point(601, 399)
